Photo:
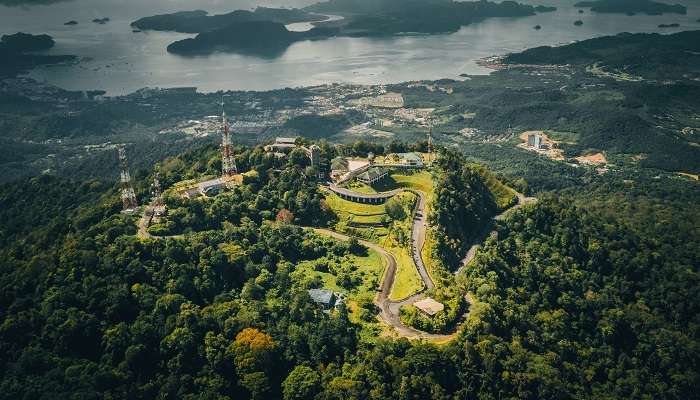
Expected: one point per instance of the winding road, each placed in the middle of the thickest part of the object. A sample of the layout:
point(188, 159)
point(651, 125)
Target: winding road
point(390, 310)
point(487, 231)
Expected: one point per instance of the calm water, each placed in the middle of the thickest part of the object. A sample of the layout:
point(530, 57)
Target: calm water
point(119, 61)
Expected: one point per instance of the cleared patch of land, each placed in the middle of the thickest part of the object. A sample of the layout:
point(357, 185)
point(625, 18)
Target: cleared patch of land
point(550, 149)
point(694, 177)
point(592, 159)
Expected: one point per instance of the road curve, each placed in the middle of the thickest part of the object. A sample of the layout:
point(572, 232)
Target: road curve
point(389, 310)
point(471, 253)
point(418, 231)
point(145, 222)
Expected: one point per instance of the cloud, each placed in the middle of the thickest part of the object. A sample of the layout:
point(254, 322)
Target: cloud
point(28, 3)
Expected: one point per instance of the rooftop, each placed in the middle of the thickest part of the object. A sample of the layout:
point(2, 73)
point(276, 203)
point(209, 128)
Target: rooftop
point(372, 174)
point(429, 306)
point(321, 296)
point(285, 140)
point(340, 163)
point(415, 157)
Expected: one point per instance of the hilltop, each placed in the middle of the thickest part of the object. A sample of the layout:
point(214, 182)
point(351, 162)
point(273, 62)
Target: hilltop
point(233, 305)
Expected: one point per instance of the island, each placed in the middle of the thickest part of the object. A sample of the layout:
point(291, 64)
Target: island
point(578, 22)
point(648, 7)
point(390, 17)
point(543, 9)
point(71, 22)
point(537, 27)
point(14, 49)
point(23, 42)
point(101, 21)
point(674, 25)
point(263, 32)
point(199, 21)
point(264, 38)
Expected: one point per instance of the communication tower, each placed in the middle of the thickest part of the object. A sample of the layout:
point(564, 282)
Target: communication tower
point(430, 144)
point(228, 165)
point(156, 192)
point(128, 196)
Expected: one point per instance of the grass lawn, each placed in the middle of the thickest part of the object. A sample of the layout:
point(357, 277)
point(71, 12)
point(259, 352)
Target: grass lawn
point(367, 219)
point(407, 281)
point(341, 206)
point(361, 187)
point(421, 181)
point(371, 268)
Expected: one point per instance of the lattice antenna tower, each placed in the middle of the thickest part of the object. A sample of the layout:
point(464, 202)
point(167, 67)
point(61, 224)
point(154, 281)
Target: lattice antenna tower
point(430, 143)
point(228, 165)
point(128, 195)
point(157, 191)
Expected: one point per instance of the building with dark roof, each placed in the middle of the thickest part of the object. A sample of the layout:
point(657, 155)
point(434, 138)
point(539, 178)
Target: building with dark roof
point(323, 297)
point(373, 175)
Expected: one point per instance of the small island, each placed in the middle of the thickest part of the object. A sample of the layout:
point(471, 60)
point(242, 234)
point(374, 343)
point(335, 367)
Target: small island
point(674, 25)
point(543, 9)
point(578, 22)
point(537, 27)
point(15, 51)
point(23, 42)
point(71, 22)
point(648, 7)
point(101, 21)
point(263, 38)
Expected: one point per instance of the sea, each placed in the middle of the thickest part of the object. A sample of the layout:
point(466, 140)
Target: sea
point(116, 59)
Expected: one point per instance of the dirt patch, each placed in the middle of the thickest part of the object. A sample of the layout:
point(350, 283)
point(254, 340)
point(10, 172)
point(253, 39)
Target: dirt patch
point(550, 148)
point(592, 159)
point(694, 177)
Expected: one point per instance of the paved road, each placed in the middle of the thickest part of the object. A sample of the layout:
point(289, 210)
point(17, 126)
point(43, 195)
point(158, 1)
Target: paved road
point(418, 231)
point(143, 224)
point(145, 221)
point(389, 310)
point(471, 253)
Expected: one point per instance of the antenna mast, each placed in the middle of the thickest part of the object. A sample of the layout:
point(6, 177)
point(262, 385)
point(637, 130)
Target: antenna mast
point(156, 191)
point(430, 143)
point(128, 196)
point(228, 165)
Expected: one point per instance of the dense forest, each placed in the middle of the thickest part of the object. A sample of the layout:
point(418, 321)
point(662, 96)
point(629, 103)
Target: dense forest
point(386, 17)
point(463, 207)
point(649, 55)
point(585, 294)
